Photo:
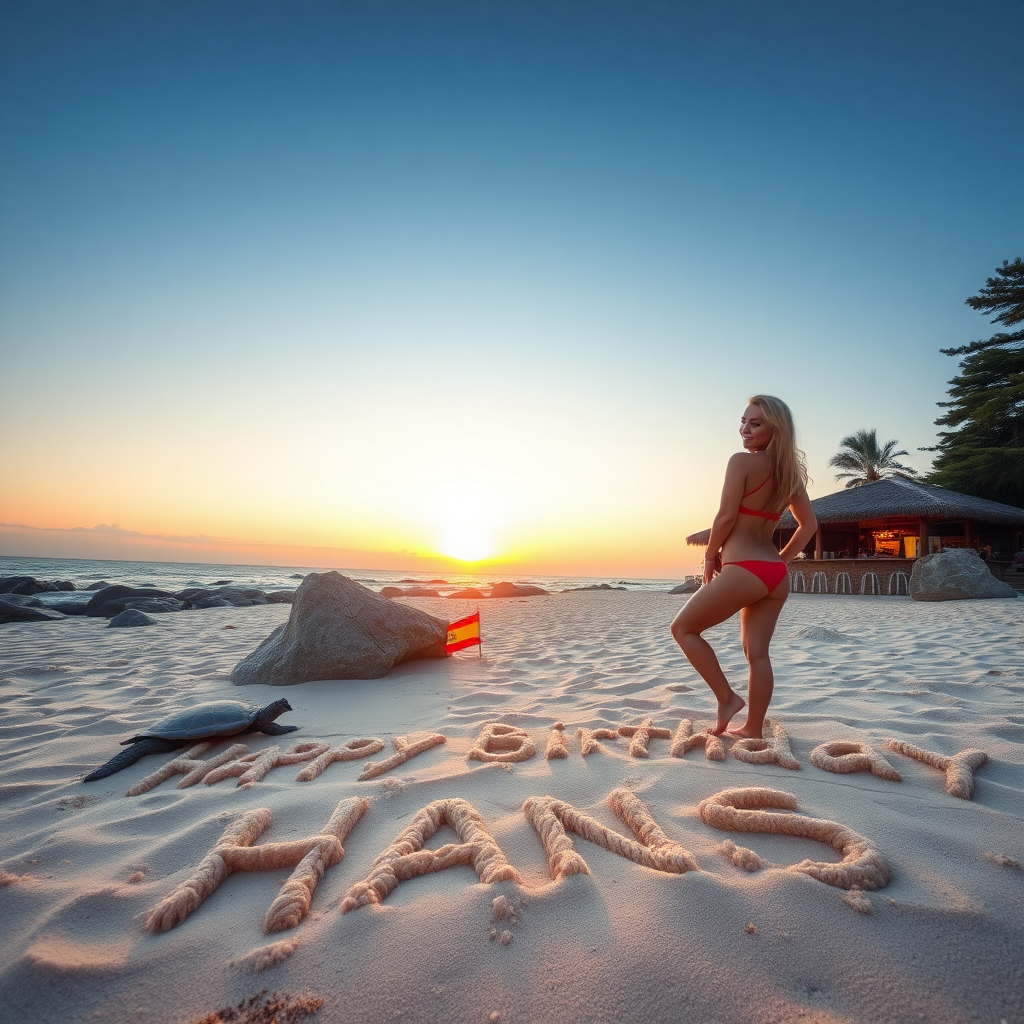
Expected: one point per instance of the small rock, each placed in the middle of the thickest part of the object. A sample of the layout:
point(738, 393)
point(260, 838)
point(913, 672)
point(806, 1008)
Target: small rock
point(516, 590)
point(110, 601)
point(236, 597)
point(131, 617)
point(18, 613)
point(689, 586)
point(25, 585)
point(68, 607)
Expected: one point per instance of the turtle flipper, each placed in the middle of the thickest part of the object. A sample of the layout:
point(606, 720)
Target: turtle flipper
point(274, 729)
point(128, 756)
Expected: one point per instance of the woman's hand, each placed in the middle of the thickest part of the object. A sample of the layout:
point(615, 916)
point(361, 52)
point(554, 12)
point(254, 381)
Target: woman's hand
point(712, 566)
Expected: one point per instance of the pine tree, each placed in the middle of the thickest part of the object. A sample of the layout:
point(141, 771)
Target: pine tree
point(983, 453)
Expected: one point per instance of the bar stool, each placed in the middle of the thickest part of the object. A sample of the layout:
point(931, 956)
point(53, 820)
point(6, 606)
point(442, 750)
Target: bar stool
point(870, 583)
point(819, 583)
point(901, 582)
point(844, 585)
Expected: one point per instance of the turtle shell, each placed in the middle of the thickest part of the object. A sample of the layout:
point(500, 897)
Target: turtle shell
point(214, 718)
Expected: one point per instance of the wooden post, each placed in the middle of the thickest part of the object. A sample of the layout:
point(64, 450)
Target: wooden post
point(817, 543)
point(924, 535)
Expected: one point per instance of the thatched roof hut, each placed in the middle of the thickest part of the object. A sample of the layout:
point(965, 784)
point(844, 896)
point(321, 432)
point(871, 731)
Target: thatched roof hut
point(888, 511)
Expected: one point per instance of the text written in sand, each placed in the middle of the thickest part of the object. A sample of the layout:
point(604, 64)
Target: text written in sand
point(509, 744)
point(751, 809)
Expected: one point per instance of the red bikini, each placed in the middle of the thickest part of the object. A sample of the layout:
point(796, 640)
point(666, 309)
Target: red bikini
point(774, 516)
point(771, 574)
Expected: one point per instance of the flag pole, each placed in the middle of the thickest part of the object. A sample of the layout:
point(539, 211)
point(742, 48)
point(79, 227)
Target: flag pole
point(480, 645)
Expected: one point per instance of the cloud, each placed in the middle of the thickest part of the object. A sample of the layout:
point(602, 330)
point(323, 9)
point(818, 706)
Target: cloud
point(112, 541)
point(113, 530)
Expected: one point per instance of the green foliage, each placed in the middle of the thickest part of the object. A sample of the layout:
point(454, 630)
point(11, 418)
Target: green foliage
point(863, 461)
point(1004, 296)
point(993, 473)
point(983, 453)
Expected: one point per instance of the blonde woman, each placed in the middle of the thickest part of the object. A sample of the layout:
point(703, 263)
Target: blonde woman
point(743, 571)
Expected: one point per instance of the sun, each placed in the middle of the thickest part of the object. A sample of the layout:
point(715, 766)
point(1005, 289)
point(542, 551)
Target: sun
point(465, 524)
point(468, 542)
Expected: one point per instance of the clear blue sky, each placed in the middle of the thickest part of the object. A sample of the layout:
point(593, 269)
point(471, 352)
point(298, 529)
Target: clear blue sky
point(328, 276)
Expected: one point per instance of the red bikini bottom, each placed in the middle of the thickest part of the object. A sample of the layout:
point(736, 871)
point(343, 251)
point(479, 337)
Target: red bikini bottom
point(771, 574)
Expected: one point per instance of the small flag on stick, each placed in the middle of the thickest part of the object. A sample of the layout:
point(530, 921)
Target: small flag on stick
point(463, 633)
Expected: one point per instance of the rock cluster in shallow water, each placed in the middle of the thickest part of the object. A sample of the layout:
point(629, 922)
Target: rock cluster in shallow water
point(18, 601)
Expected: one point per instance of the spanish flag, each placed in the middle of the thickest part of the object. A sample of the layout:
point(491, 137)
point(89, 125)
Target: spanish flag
point(463, 633)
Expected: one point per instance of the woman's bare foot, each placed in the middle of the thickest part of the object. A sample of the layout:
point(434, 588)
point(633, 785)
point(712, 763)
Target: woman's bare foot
point(725, 713)
point(744, 732)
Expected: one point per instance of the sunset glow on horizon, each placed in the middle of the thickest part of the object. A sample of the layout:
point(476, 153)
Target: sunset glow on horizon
point(407, 286)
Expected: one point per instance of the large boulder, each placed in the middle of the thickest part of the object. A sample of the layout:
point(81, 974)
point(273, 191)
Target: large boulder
point(338, 629)
point(954, 576)
point(110, 601)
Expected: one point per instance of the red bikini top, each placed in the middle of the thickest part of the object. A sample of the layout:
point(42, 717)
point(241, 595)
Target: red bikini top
point(773, 516)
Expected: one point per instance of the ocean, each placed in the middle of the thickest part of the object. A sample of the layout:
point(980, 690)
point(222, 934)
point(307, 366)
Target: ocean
point(86, 573)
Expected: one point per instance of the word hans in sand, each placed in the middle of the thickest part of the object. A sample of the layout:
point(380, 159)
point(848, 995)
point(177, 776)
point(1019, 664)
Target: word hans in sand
point(740, 810)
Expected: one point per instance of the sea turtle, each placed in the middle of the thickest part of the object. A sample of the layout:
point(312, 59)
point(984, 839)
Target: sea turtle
point(211, 720)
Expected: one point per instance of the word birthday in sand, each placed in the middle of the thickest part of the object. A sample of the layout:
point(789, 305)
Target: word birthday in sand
point(500, 743)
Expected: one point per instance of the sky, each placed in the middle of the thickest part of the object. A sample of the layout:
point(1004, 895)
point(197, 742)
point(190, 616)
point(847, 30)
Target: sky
point(476, 283)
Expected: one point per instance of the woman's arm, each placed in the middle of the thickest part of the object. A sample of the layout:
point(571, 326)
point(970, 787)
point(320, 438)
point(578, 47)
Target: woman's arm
point(806, 525)
point(725, 520)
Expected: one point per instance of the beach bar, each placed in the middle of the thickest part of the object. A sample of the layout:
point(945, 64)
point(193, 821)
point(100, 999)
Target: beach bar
point(869, 536)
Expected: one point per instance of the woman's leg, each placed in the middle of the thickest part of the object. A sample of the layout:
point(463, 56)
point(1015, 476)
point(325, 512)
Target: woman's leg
point(757, 626)
point(732, 589)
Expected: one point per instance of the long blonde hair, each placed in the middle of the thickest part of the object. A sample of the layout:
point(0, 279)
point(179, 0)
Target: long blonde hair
point(789, 464)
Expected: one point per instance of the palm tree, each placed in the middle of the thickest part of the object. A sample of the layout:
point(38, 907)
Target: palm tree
point(862, 460)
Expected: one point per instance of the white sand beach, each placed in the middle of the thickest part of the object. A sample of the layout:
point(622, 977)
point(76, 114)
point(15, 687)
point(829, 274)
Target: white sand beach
point(83, 865)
